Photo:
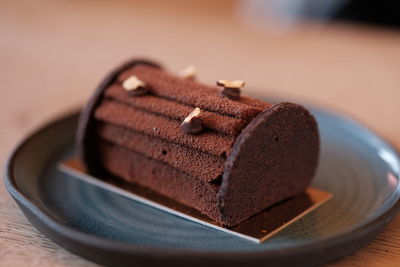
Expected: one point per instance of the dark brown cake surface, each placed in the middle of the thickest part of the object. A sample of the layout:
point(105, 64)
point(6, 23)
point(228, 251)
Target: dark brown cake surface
point(274, 158)
point(248, 155)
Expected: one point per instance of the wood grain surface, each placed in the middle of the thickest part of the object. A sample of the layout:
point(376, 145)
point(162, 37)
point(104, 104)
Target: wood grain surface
point(53, 53)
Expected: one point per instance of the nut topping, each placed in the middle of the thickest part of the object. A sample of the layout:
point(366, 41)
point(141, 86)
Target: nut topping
point(134, 86)
point(231, 88)
point(189, 72)
point(192, 123)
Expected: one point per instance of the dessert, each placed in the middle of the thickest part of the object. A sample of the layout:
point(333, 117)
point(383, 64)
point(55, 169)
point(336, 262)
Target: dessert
point(227, 155)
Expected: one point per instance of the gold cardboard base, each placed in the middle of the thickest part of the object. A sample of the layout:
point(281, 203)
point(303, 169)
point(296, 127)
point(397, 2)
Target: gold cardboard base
point(258, 228)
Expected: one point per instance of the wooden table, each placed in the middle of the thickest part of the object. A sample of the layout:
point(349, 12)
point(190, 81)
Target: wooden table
point(53, 53)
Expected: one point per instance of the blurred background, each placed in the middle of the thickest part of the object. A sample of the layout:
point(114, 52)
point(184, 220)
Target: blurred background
point(342, 54)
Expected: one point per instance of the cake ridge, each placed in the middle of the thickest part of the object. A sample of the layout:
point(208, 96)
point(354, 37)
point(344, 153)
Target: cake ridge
point(214, 182)
point(160, 177)
point(212, 120)
point(208, 167)
point(205, 97)
point(162, 127)
point(209, 130)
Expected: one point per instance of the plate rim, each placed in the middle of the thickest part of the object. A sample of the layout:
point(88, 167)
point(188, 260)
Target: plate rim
point(51, 228)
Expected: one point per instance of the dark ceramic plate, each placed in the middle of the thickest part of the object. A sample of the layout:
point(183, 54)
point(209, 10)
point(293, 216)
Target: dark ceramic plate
point(359, 168)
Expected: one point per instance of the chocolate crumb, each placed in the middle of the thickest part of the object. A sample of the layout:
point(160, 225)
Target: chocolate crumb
point(231, 88)
point(134, 86)
point(192, 123)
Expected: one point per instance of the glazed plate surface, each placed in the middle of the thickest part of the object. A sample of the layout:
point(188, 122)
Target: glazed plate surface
point(257, 228)
point(360, 169)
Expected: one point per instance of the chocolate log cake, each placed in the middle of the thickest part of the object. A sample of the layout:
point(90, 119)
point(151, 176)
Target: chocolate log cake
point(227, 155)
